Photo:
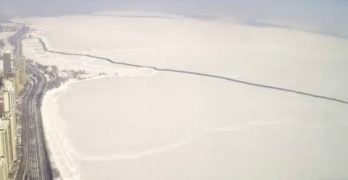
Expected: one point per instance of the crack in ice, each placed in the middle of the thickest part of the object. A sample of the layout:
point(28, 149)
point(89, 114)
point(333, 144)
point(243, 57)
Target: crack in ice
point(170, 147)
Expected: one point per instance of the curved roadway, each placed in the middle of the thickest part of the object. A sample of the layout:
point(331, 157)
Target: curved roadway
point(34, 163)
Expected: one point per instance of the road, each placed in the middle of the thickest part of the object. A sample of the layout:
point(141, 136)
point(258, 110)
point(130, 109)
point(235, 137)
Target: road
point(34, 161)
point(15, 40)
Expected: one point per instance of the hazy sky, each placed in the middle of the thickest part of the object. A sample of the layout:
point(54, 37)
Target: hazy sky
point(327, 16)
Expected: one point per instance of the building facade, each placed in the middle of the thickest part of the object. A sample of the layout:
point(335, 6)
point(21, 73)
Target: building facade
point(19, 73)
point(9, 105)
point(6, 160)
point(7, 65)
point(3, 169)
point(8, 128)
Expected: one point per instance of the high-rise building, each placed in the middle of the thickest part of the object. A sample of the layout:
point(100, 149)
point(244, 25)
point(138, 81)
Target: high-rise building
point(9, 87)
point(9, 109)
point(22, 70)
point(6, 160)
point(3, 169)
point(19, 73)
point(7, 64)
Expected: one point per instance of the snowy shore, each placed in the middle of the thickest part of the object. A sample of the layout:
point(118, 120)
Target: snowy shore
point(138, 123)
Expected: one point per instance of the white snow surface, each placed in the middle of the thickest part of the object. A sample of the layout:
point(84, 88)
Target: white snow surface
point(139, 123)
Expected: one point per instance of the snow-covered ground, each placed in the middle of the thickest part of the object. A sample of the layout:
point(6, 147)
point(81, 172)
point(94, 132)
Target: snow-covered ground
point(139, 123)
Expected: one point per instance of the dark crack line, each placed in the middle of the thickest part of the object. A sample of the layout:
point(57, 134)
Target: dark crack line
point(199, 74)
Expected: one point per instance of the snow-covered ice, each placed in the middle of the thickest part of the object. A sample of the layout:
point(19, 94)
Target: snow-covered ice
point(139, 123)
point(266, 55)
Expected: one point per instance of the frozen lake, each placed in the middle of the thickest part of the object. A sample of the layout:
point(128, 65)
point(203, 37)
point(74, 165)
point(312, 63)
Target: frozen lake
point(174, 127)
point(140, 123)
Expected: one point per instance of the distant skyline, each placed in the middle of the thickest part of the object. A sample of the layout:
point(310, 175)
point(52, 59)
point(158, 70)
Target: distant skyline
point(325, 16)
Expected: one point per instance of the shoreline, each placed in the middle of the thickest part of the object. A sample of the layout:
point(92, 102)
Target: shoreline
point(61, 151)
point(58, 147)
